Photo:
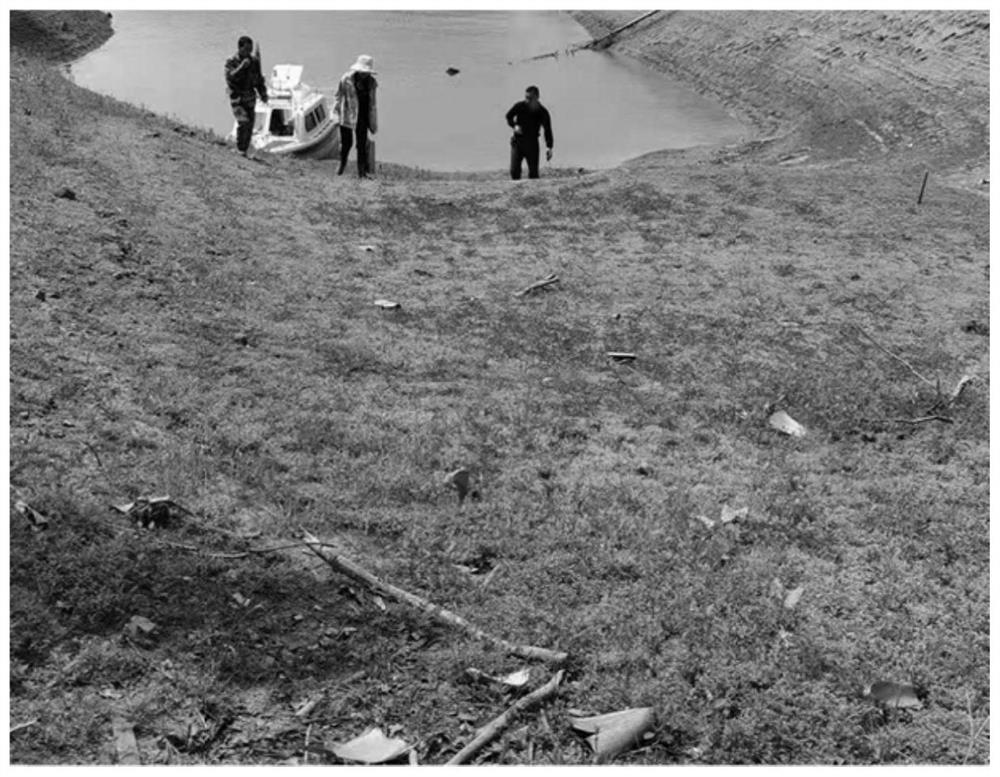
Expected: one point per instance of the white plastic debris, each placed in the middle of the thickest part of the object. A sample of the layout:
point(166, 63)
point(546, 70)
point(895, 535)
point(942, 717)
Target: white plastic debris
point(387, 304)
point(371, 747)
point(615, 732)
point(784, 423)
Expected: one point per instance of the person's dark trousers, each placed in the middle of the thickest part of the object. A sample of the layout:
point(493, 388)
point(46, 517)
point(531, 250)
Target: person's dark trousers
point(346, 141)
point(523, 149)
point(361, 137)
point(243, 112)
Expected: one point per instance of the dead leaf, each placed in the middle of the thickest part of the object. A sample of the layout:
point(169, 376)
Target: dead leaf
point(516, 679)
point(708, 522)
point(792, 597)
point(729, 514)
point(894, 695)
point(371, 747)
point(786, 424)
point(615, 732)
point(35, 518)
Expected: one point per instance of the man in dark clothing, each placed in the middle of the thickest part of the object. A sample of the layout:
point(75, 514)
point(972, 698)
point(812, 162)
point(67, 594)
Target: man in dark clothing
point(244, 81)
point(527, 118)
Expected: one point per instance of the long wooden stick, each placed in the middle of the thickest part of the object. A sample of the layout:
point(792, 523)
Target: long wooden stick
point(347, 567)
point(900, 359)
point(492, 730)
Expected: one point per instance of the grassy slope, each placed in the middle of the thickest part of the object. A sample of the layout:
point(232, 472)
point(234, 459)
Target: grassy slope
point(207, 331)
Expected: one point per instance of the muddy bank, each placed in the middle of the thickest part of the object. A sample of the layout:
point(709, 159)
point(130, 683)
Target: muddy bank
point(856, 83)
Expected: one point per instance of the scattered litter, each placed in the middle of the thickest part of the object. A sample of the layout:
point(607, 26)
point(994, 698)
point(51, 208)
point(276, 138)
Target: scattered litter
point(459, 480)
point(241, 600)
point(516, 679)
point(35, 518)
point(621, 356)
point(452, 71)
point(125, 744)
point(786, 424)
point(366, 248)
point(380, 603)
point(372, 747)
point(615, 732)
point(544, 282)
point(792, 597)
point(150, 512)
point(708, 522)
point(65, 193)
point(729, 514)
point(894, 695)
point(387, 304)
point(644, 469)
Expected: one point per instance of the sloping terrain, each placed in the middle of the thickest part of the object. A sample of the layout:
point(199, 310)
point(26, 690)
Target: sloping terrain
point(187, 322)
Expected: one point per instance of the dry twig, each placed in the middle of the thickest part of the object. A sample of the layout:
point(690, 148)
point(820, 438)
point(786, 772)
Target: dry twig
point(900, 359)
point(493, 729)
point(347, 567)
point(547, 281)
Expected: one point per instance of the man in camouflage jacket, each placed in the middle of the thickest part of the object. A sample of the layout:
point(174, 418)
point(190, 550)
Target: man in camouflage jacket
point(245, 82)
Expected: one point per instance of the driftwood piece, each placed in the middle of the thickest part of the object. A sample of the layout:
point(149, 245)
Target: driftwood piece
point(347, 567)
point(495, 727)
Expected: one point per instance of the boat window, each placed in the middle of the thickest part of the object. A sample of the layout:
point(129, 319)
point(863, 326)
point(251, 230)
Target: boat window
point(310, 121)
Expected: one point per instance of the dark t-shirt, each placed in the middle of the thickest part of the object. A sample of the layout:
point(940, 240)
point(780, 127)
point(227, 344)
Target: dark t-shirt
point(531, 121)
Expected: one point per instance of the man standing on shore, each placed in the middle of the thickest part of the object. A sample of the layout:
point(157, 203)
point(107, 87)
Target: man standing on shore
point(245, 81)
point(357, 112)
point(527, 118)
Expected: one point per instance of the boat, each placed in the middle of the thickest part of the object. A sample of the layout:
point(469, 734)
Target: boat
point(296, 120)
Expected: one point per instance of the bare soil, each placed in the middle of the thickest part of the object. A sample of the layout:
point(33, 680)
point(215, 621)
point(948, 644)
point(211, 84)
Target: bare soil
point(184, 321)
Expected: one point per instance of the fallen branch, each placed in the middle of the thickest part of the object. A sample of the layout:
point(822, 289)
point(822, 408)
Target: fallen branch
point(347, 567)
point(493, 729)
point(547, 281)
point(925, 419)
point(900, 359)
point(236, 555)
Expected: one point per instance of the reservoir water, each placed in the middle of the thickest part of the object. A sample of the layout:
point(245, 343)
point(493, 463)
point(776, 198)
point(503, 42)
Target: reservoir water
point(605, 108)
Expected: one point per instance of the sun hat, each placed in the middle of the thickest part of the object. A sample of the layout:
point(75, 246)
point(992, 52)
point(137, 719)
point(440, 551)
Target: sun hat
point(365, 64)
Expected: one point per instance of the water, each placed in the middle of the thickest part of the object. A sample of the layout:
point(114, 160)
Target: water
point(605, 108)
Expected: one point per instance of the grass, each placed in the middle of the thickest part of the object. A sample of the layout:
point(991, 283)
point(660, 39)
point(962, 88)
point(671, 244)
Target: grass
point(195, 349)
